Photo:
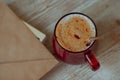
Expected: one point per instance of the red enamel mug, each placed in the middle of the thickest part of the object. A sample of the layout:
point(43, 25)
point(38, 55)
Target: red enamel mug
point(75, 57)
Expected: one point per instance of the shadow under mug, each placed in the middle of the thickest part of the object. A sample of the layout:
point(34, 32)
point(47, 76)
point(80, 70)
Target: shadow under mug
point(75, 57)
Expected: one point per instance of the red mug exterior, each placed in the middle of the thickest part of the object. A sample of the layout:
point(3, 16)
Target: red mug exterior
point(75, 57)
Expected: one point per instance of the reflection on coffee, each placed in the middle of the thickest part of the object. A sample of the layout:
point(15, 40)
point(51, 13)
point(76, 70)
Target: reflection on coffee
point(74, 31)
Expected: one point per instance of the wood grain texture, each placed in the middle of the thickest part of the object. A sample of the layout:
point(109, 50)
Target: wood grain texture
point(43, 14)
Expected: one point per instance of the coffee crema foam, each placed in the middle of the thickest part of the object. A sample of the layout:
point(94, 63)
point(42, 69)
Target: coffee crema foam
point(74, 31)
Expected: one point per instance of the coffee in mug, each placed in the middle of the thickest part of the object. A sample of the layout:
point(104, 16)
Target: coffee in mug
point(73, 39)
point(73, 32)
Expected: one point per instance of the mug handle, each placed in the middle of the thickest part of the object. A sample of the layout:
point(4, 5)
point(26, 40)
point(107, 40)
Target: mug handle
point(91, 59)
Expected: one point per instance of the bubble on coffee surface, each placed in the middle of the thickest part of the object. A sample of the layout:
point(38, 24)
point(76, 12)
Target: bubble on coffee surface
point(68, 42)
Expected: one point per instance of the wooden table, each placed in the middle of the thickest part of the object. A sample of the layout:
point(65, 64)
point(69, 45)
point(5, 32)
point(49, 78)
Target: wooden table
point(43, 14)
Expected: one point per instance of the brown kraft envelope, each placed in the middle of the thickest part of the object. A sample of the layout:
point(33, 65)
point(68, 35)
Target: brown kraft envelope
point(22, 56)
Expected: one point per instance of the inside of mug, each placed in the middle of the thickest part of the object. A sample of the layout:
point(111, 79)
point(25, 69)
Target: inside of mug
point(67, 17)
